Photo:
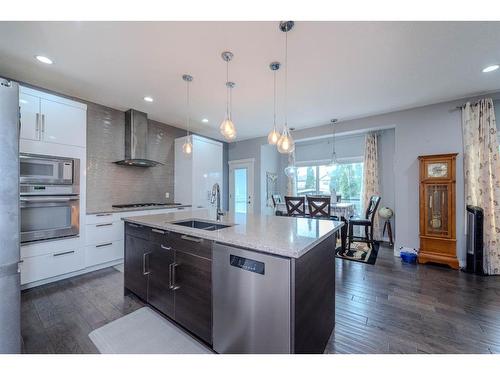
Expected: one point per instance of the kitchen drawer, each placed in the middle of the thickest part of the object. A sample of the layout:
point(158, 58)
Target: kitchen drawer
point(137, 230)
point(103, 232)
point(37, 248)
point(190, 244)
point(102, 253)
point(50, 265)
point(158, 236)
point(101, 218)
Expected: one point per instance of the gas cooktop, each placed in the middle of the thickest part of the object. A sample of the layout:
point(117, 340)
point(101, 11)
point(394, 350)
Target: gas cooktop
point(134, 205)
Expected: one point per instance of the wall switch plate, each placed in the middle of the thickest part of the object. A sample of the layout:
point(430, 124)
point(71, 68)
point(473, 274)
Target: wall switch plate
point(167, 195)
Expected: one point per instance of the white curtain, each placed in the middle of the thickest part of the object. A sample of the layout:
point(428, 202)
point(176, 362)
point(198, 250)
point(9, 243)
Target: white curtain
point(482, 175)
point(370, 178)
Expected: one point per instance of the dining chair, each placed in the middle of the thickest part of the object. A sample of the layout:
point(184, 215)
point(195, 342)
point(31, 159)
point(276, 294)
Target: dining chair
point(319, 207)
point(276, 199)
point(366, 222)
point(295, 206)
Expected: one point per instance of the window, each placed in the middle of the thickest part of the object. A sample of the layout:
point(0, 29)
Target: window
point(345, 178)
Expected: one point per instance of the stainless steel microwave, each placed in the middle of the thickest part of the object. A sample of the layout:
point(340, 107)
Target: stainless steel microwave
point(48, 175)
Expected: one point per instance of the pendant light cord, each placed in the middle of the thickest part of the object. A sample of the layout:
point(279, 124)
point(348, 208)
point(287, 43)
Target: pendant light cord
point(188, 107)
point(274, 119)
point(228, 91)
point(286, 80)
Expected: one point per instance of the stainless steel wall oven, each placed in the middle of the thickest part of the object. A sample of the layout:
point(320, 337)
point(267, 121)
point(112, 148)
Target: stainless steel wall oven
point(49, 197)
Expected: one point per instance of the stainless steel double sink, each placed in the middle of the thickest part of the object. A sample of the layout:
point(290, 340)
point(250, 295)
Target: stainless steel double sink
point(199, 224)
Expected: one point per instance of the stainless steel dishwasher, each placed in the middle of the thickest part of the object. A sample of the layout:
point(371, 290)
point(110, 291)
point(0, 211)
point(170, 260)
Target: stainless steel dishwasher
point(251, 301)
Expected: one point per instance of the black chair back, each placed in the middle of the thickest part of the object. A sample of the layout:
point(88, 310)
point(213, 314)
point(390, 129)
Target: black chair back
point(372, 207)
point(276, 199)
point(319, 206)
point(295, 206)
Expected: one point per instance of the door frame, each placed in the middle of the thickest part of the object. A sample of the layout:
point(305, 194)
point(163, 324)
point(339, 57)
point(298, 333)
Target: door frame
point(250, 165)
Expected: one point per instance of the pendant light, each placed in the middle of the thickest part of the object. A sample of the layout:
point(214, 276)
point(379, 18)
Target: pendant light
point(274, 134)
point(286, 143)
point(227, 128)
point(333, 162)
point(187, 147)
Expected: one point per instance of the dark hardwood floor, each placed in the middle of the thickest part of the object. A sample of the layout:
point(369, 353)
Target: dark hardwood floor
point(388, 307)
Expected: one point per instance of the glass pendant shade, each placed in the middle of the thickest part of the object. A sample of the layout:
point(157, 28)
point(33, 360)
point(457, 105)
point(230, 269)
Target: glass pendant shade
point(286, 144)
point(273, 136)
point(187, 147)
point(227, 129)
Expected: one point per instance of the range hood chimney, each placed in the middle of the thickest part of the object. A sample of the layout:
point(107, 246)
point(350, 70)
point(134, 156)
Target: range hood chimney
point(136, 140)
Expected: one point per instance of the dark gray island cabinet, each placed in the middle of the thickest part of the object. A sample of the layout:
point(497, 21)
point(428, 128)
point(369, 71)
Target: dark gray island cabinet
point(172, 273)
point(235, 298)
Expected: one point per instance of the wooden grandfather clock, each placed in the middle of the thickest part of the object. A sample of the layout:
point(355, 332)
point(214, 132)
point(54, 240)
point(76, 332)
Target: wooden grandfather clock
point(438, 241)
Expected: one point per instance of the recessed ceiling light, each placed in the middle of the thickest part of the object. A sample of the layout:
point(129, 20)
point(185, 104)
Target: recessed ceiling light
point(491, 68)
point(204, 120)
point(44, 59)
point(148, 99)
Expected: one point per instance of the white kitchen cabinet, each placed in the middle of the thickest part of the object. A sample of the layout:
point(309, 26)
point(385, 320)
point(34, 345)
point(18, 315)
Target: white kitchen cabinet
point(30, 121)
point(63, 123)
point(196, 173)
point(104, 233)
point(52, 119)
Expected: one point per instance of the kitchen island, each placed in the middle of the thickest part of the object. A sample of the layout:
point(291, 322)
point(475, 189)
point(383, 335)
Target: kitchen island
point(245, 284)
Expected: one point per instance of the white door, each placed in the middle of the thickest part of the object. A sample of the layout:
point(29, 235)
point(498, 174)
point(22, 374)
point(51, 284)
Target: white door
point(30, 121)
point(62, 123)
point(241, 182)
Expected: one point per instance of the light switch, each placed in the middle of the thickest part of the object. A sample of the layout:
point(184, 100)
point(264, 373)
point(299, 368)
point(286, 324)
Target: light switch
point(167, 195)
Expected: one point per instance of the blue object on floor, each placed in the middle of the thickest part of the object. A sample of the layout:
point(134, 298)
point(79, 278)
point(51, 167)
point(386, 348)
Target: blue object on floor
point(408, 257)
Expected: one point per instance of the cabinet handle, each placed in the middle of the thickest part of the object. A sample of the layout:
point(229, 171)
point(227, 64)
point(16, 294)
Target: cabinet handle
point(192, 239)
point(37, 126)
point(98, 215)
point(64, 253)
point(134, 225)
point(157, 231)
point(171, 279)
point(144, 256)
point(104, 244)
point(43, 126)
point(165, 247)
point(104, 225)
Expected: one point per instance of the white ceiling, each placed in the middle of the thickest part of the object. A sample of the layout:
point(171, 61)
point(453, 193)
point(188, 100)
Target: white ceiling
point(336, 69)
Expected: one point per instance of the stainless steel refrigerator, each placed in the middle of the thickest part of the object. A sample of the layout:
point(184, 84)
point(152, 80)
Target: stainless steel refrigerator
point(10, 290)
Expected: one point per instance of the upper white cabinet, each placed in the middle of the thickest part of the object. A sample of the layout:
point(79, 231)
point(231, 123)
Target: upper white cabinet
point(30, 117)
point(52, 119)
point(196, 173)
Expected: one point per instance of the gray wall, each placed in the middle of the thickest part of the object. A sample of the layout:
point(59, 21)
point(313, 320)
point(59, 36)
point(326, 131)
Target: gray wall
point(109, 183)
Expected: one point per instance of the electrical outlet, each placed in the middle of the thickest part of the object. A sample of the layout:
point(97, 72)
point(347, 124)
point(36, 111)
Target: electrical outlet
point(167, 195)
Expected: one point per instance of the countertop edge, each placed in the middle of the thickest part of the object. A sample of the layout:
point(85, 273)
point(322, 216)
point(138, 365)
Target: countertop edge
point(245, 244)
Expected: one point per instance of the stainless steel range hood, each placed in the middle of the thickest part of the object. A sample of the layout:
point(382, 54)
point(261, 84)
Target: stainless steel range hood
point(136, 140)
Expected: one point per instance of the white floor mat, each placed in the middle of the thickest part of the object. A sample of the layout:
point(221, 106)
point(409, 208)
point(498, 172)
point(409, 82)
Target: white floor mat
point(144, 332)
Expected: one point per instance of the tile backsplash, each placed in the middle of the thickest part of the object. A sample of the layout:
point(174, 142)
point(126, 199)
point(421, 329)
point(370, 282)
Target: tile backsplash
point(109, 183)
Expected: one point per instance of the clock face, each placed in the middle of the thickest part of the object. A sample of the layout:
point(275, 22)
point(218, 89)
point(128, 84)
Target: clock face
point(437, 170)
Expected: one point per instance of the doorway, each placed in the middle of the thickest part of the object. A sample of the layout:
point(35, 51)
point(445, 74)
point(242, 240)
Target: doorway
point(241, 183)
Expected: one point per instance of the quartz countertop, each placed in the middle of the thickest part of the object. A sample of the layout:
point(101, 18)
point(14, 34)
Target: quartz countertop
point(281, 235)
point(112, 210)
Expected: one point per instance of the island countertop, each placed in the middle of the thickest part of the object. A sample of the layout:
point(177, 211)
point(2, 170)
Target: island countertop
point(281, 235)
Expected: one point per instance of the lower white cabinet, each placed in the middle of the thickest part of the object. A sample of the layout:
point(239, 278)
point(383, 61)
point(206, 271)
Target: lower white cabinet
point(103, 253)
point(39, 267)
point(104, 236)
